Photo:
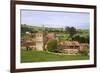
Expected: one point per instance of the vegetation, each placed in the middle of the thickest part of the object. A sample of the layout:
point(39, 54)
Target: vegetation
point(63, 36)
point(52, 46)
point(67, 34)
point(42, 56)
point(70, 30)
point(81, 38)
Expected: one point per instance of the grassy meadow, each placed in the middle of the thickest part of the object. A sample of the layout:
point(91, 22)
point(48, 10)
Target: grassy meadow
point(42, 56)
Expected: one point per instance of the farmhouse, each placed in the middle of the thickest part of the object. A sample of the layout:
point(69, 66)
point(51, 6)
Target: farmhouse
point(70, 47)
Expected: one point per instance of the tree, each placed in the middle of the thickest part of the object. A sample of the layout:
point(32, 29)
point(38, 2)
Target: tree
point(70, 30)
point(76, 38)
point(25, 28)
point(52, 45)
point(67, 29)
point(81, 38)
point(87, 39)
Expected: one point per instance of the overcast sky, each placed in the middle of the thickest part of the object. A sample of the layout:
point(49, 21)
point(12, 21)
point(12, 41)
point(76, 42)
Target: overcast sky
point(55, 19)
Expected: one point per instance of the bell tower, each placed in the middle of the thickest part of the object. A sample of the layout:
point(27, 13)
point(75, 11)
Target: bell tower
point(39, 41)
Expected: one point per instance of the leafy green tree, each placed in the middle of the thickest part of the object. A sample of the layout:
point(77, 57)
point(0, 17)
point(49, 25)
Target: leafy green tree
point(52, 45)
point(67, 29)
point(81, 38)
point(70, 30)
point(25, 28)
point(76, 38)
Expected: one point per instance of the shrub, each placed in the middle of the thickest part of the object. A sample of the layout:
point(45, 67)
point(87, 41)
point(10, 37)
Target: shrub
point(52, 45)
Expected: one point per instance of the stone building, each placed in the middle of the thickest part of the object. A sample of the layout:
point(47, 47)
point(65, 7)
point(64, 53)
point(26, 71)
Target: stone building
point(28, 44)
point(35, 43)
point(39, 41)
point(70, 47)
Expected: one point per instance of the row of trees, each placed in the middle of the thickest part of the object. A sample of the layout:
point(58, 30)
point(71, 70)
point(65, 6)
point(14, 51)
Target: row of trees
point(34, 29)
point(75, 35)
point(70, 30)
point(81, 35)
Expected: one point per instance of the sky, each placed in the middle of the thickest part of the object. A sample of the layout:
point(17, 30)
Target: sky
point(55, 19)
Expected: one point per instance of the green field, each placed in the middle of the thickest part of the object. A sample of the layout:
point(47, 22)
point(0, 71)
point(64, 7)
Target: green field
point(42, 56)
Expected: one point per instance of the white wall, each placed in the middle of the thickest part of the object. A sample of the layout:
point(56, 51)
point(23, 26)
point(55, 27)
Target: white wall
point(5, 36)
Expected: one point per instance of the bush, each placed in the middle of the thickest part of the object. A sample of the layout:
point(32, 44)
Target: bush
point(52, 45)
point(59, 49)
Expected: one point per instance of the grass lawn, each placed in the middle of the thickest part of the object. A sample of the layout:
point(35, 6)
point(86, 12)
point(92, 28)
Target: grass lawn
point(42, 56)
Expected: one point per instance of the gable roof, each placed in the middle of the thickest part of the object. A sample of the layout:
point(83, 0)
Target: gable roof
point(69, 43)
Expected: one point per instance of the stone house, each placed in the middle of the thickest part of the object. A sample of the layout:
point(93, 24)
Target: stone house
point(69, 47)
point(28, 44)
point(72, 47)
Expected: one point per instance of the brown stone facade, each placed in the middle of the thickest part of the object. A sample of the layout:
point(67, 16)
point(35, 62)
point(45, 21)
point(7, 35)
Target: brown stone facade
point(70, 47)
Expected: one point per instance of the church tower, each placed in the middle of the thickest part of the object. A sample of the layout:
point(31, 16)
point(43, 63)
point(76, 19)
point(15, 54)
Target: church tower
point(39, 41)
